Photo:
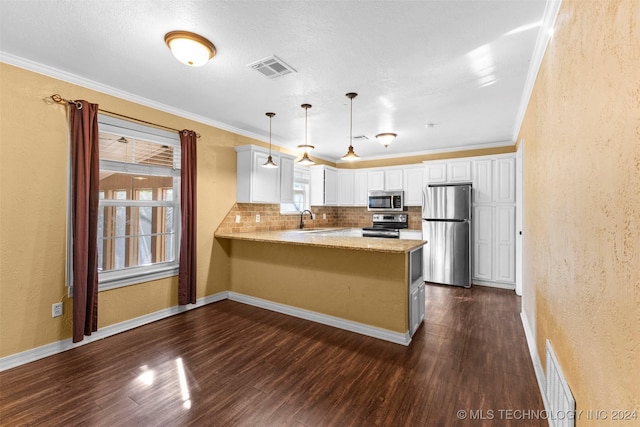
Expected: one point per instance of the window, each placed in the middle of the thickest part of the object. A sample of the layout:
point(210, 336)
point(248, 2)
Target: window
point(300, 193)
point(139, 203)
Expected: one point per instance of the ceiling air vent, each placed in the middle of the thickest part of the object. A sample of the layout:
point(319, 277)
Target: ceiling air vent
point(272, 67)
point(360, 137)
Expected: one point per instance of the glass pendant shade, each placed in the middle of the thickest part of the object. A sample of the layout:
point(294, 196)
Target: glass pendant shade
point(305, 160)
point(351, 155)
point(270, 163)
point(190, 48)
point(386, 138)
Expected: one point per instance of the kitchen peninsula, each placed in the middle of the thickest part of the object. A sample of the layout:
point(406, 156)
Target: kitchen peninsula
point(371, 286)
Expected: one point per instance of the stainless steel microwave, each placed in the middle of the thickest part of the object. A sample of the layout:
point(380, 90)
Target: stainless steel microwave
point(386, 201)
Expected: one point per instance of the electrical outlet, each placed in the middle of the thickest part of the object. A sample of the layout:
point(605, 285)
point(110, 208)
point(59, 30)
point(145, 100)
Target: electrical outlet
point(56, 309)
point(324, 216)
point(237, 219)
point(257, 217)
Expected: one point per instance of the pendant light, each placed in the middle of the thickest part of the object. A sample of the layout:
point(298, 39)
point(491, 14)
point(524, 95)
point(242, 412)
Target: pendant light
point(351, 155)
point(305, 160)
point(270, 163)
point(386, 138)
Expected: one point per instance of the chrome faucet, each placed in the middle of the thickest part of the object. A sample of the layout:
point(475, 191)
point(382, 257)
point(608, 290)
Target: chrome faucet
point(311, 215)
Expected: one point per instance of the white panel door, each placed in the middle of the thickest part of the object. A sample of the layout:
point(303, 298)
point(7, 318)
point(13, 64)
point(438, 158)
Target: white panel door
point(504, 180)
point(482, 181)
point(482, 242)
point(504, 262)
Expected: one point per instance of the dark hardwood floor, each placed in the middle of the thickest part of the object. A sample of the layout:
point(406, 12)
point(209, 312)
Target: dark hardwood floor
point(229, 364)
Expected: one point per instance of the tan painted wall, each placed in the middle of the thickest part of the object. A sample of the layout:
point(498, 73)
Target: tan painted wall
point(582, 204)
point(361, 286)
point(33, 184)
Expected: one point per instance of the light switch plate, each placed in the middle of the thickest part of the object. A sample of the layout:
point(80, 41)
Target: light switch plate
point(237, 219)
point(324, 216)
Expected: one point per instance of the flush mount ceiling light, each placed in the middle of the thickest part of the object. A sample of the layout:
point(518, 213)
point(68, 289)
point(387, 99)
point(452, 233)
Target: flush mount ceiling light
point(351, 155)
point(305, 160)
point(190, 48)
point(386, 138)
point(270, 163)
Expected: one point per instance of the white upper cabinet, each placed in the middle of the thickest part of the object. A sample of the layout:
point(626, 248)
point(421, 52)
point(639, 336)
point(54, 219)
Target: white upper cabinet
point(393, 179)
point(360, 196)
point(375, 180)
point(323, 183)
point(256, 184)
point(330, 187)
point(435, 172)
point(413, 185)
point(286, 179)
point(459, 171)
point(386, 179)
point(346, 188)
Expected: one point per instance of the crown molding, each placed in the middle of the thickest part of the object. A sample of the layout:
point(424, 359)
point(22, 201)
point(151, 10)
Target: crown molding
point(545, 34)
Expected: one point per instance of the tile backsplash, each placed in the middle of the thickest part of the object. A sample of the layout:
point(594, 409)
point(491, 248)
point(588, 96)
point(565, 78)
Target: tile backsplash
point(272, 219)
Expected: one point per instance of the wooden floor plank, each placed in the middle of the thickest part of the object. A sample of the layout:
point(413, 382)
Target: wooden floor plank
point(244, 366)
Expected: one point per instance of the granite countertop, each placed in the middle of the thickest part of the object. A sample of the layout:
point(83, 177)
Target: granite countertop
point(324, 238)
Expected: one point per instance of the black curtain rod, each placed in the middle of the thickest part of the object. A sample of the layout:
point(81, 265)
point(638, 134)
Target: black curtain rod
point(60, 100)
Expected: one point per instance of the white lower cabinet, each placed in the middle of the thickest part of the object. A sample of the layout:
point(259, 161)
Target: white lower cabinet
point(494, 247)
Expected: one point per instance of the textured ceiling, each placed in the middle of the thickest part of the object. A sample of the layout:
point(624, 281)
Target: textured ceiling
point(460, 65)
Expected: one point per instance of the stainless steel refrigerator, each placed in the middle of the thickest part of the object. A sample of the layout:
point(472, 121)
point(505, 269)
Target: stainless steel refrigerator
point(446, 226)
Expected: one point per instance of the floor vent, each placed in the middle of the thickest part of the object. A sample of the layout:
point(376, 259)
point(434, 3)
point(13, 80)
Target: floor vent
point(562, 405)
point(272, 67)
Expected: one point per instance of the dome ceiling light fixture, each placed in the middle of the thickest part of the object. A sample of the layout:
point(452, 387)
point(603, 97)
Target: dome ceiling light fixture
point(270, 163)
point(305, 160)
point(386, 138)
point(351, 155)
point(190, 48)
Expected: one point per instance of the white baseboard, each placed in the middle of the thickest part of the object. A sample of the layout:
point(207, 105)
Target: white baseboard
point(494, 284)
point(535, 360)
point(34, 354)
point(37, 353)
point(336, 322)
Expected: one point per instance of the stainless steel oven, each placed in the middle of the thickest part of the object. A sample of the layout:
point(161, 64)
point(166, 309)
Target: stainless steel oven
point(386, 225)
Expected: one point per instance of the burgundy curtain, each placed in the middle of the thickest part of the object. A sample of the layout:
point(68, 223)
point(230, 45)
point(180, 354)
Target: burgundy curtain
point(85, 174)
point(188, 210)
